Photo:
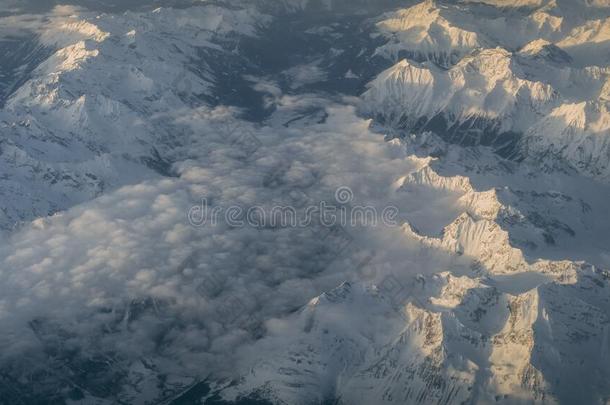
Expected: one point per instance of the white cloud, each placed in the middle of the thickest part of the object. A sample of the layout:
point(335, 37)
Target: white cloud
point(91, 264)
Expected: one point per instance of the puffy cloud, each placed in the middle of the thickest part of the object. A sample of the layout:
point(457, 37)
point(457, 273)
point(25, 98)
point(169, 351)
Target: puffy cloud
point(127, 274)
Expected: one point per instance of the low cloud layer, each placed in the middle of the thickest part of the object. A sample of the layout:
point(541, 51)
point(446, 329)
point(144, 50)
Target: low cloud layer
point(127, 275)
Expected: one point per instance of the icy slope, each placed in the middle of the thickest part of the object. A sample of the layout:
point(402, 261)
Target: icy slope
point(423, 33)
point(494, 328)
point(100, 111)
point(456, 340)
point(532, 83)
point(481, 100)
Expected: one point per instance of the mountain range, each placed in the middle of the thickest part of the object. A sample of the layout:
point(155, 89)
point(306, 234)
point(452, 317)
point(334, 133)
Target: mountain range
point(483, 124)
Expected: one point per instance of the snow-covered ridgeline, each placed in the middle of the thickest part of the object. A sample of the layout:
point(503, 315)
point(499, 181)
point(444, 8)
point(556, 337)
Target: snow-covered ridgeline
point(532, 84)
point(100, 112)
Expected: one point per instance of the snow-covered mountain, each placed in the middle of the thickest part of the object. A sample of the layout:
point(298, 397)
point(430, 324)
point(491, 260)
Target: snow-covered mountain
point(477, 129)
point(531, 83)
point(484, 331)
point(98, 113)
point(458, 340)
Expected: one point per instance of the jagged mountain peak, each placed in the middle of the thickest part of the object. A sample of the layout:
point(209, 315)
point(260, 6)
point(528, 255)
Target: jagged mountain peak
point(545, 49)
point(497, 93)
